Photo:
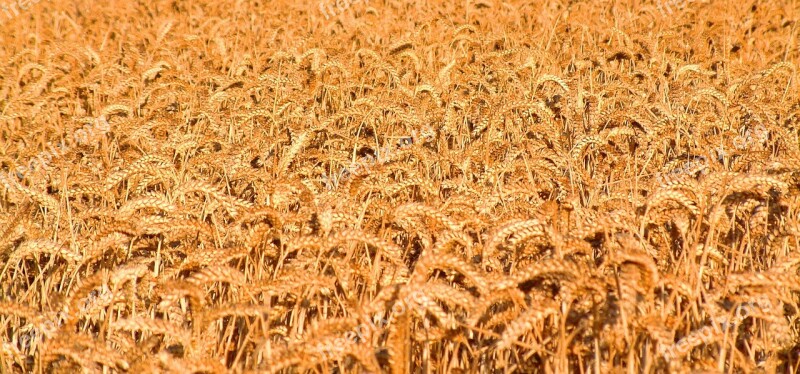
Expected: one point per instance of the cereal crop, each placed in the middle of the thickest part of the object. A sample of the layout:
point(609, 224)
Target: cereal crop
point(370, 186)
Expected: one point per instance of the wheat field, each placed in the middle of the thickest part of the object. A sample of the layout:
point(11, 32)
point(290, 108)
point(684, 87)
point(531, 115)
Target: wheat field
point(392, 186)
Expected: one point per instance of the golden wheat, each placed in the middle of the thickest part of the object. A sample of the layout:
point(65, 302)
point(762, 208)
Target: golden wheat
point(400, 186)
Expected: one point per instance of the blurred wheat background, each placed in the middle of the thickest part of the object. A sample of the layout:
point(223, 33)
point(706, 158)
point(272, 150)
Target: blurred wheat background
point(397, 186)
